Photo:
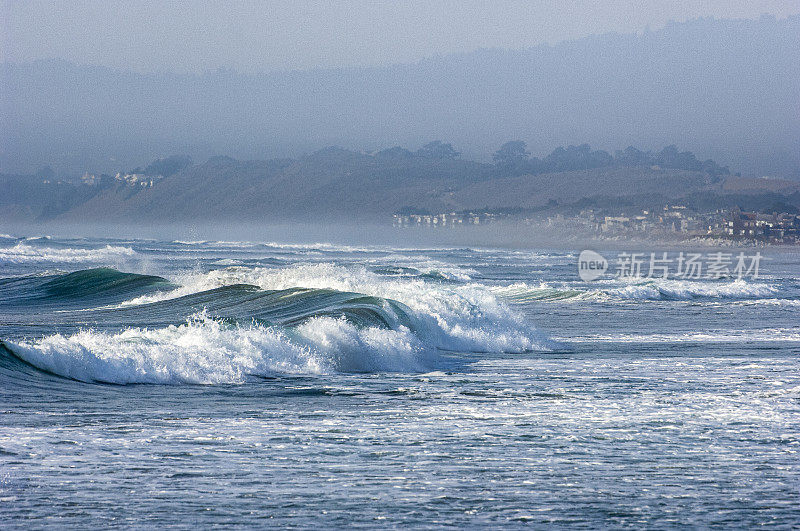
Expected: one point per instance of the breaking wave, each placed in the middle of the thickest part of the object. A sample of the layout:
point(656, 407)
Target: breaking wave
point(212, 351)
point(244, 322)
point(465, 317)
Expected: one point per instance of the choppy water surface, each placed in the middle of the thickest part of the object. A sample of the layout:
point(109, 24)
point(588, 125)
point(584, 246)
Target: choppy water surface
point(200, 383)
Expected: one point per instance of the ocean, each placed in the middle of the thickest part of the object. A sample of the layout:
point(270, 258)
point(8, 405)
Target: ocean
point(197, 383)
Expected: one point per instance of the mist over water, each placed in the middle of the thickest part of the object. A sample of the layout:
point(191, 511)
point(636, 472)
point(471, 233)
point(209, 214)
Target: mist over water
point(690, 83)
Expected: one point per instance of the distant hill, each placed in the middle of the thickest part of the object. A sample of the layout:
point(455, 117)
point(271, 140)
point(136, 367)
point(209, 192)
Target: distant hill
point(729, 89)
point(340, 185)
point(330, 184)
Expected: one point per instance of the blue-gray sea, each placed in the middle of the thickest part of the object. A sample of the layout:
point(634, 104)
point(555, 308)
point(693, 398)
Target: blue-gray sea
point(148, 383)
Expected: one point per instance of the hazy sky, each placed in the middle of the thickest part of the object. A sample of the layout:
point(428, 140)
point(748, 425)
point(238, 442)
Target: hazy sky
point(268, 35)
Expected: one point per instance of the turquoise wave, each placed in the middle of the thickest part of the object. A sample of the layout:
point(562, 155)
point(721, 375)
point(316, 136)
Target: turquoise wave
point(91, 287)
point(100, 292)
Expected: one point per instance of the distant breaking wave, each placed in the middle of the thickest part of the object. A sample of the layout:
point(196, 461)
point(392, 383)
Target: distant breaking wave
point(778, 335)
point(651, 289)
point(25, 253)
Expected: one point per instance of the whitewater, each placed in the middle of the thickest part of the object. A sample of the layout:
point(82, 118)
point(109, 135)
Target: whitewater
point(275, 383)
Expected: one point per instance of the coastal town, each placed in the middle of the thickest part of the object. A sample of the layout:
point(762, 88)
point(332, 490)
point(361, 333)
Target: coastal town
point(674, 221)
point(128, 179)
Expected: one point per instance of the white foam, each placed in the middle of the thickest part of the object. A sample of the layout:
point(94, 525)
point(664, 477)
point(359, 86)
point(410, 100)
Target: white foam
point(204, 351)
point(226, 262)
point(704, 336)
point(25, 253)
point(190, 242)
point(425, 266)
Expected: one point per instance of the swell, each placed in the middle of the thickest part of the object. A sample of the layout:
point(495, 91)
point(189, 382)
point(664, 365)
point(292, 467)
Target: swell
point(101, 281)
point(90, 286)
point(245, 302)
